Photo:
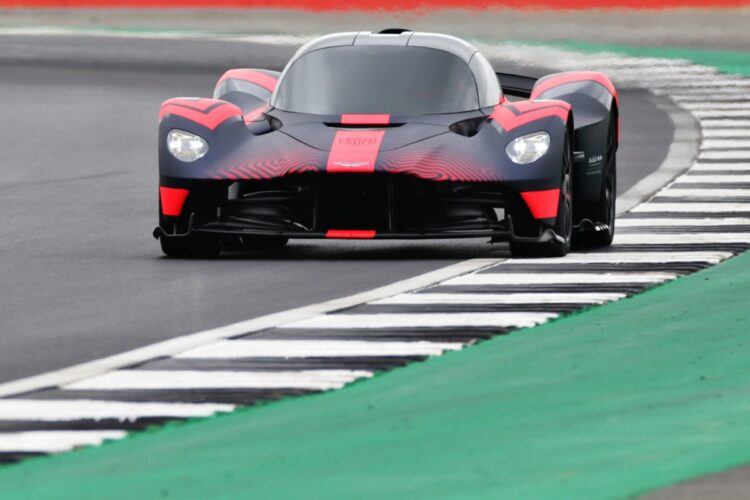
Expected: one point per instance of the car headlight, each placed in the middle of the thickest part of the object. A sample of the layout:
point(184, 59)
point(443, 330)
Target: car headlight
point(528, 148)
point(186, 146)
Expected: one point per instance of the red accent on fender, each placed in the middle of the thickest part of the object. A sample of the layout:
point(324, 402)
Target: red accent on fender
point(256, 114)
point(351, 234)
point(259, 78)
point(172, 200)
point(365, 119)
point(207, 112)
point(543, 204)
point(530, 112)
point(355, 151)
point(578, 76)
point(572, 77)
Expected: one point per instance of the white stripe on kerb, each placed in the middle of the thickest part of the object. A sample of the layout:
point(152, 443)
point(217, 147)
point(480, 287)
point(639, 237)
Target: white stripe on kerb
point(716, 106)
point(713, 167)
point(423, 320)
point(740, 113)
point(689, 207)
point(676, 238)
point(190, 379)
point(625, 257)
point(499, 298)
point(702, 97)
point(557, 278)
point(713, 179)
point(725, 133)
point(725, 144)
point(715, 192)
point(53, 441)
point(660, 222)
point(76, 409)
point(230, 349)
point(725, 123)
point(724, 155)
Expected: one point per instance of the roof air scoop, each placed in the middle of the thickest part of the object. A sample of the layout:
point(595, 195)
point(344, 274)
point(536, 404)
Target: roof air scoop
point(394, 31)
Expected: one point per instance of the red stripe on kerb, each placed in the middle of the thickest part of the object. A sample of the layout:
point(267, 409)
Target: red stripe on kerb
point(543, 204)
point(365, 119)
point(268, 82)
point(355, 151)
point(172, 200)
point(351, 234)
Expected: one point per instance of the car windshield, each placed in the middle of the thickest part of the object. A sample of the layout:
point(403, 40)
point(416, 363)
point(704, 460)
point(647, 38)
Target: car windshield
point(377, 79)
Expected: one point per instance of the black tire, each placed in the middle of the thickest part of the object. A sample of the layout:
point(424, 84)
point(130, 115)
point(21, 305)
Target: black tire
point(564, 222)
point(264, 242)
point(604, 210)
point(197, 246)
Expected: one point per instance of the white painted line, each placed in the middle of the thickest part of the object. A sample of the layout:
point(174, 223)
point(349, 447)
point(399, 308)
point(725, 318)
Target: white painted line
point(499, 298)
point(715, 192)
point(724, 155)
point(423, 320)
point(53, 441)
point(625, 257)
point(76, 409)
point(712, 167)
point(713, 179)
point(702, 97)
point(680, 222)
point(725, 133)
point(716, 106)
point(725, 144)
point(232, 349)
point(180, 344)
point(718, 123)
point(676, 238)
point(557, 278)
point(741, 113)
point(688, 207)
point(188, 379)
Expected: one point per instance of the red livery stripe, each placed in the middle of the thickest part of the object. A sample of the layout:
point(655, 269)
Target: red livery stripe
point(172, 200)
point(256, 114)
point(507, 118)
point(355, 151)
point(259, 78)
point(543, 204)
point(207, 112)
point(351, 234)
point(365, 119)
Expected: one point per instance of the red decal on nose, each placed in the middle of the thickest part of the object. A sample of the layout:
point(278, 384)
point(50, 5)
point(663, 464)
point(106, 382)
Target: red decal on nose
point(355, 151)
point(352, 234)
point(365, 119)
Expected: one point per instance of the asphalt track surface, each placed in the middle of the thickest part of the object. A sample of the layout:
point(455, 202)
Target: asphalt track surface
point(81, 276)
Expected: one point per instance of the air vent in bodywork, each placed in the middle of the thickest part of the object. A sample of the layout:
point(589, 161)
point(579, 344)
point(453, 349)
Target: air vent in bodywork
point(394, 31)
point(470, 127)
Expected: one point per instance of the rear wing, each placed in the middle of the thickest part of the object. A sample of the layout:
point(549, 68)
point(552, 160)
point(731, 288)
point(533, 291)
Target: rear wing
point(516, 85)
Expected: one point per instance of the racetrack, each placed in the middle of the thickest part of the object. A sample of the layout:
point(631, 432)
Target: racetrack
point(82, 276)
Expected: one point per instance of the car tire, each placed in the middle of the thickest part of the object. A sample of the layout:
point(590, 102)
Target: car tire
point(564, 221)
point(263, 242)
point(604, 210)
point(197, 246)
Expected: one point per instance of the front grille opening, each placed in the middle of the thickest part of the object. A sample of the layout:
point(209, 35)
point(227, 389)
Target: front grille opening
point(385, 203)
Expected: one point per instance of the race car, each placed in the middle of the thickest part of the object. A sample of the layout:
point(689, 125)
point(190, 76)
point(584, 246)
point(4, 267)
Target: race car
point(396, 134)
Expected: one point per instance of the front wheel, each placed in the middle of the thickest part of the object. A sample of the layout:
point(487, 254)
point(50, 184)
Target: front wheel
point(563, 227)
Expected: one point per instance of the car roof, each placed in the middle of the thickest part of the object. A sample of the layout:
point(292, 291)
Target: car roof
point(447, 43)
